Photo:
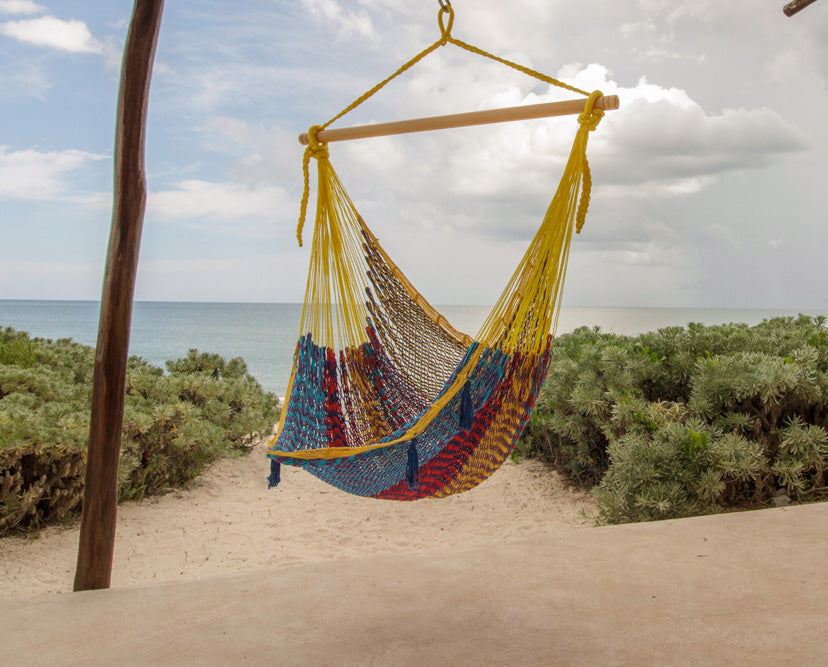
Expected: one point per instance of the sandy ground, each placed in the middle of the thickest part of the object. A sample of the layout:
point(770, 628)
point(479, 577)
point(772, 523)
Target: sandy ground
point(229, 523)
point(744, 588)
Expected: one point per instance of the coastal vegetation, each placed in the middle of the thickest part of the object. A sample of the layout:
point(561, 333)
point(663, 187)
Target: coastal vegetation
point(688, 420)
point(677, 422)
point(175, 424)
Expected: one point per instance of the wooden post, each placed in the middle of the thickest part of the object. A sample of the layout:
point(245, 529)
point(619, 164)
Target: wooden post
point(97, 534)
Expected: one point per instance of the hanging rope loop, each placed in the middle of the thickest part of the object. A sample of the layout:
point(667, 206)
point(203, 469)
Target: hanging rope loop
point(316, 150)
point(445, 30)
point(588, 120)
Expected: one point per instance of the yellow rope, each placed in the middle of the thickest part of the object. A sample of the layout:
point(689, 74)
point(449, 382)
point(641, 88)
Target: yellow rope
point(588, 120)
point(317, 149)
point(520, 68)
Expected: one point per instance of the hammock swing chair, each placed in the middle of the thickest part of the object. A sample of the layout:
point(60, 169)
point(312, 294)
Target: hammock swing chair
point(386, 399)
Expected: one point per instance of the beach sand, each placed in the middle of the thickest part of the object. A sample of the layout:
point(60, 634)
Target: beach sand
point(508, 573)
point(729, 589)
point(228, 522)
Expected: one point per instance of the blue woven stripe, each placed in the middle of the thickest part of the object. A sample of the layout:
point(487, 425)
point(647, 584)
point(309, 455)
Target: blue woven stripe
point(371, 473)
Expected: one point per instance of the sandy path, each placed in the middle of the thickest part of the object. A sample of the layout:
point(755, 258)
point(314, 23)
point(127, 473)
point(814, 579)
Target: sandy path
point(228, 522)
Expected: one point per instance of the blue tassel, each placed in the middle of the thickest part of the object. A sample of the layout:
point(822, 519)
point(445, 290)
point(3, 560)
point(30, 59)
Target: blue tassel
point(466, 408)
point(275, 474)
point(412, 474)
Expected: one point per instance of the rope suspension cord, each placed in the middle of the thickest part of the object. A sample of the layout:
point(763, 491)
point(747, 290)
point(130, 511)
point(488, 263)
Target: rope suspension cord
point(318, 135)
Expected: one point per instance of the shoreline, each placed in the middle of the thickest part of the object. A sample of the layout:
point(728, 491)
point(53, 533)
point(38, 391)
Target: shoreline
point(228, 522)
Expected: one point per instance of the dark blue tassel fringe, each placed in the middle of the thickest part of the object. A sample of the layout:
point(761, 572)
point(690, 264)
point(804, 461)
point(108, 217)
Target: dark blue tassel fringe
point(275, 474)
point(412, 474)
point(466, 408)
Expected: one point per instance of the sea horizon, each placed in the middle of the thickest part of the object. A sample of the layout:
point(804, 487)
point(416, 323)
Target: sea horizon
point(271, 303)
point(264, 334)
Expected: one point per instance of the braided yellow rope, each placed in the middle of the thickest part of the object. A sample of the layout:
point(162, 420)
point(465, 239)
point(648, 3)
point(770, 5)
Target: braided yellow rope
point(520, 68)
point(315, 148)
point(588, 120)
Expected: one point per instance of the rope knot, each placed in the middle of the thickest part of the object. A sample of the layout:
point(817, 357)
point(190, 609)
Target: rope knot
point(315, 147)
point(445, 30)
point(590, 116)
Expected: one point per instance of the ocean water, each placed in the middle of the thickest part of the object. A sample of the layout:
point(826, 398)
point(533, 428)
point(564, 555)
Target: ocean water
point(265, 334)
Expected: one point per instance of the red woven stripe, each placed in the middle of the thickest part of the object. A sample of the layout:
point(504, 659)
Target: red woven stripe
point(443, 468)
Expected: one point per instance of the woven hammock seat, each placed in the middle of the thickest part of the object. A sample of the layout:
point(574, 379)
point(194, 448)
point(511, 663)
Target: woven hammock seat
point(386, 399)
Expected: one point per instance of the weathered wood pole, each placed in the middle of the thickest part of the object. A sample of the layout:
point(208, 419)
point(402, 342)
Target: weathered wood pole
point(97, 534)
point(796, 6)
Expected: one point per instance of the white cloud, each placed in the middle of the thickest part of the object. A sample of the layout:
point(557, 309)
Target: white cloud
point(661, 143)
point(660, 136)
point(20, 7)
point(198, 200)
point(780, 66)
point(349, 23)
point(65, 35)
point(722, 236)
point(493, 183)
point(656, 188)
point(113, 51)
point(226, 133)
point(23, 79)
point(267, 277)
point(265, 153)
point(650, 253)
point(660, 140)
point(210, 86)
point(34, 175)
point(694, 177)
point(53, 278)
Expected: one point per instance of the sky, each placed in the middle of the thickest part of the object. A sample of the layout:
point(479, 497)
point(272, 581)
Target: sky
point(709, 183)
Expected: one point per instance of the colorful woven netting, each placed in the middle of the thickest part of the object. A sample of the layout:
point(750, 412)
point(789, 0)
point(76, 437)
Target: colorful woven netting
point(386, 398)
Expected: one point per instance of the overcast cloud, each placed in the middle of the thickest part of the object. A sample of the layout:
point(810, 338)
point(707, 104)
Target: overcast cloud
point(708, 182)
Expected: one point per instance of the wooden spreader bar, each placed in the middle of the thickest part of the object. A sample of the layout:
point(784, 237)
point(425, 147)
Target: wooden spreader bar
point(546, 110)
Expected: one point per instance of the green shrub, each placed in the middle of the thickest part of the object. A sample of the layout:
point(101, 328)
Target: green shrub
point(686, 421)
point(679, 469)
point(175, 424)
point(591, 374)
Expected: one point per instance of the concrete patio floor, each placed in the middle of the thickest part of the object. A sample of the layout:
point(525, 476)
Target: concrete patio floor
point(738, 589)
